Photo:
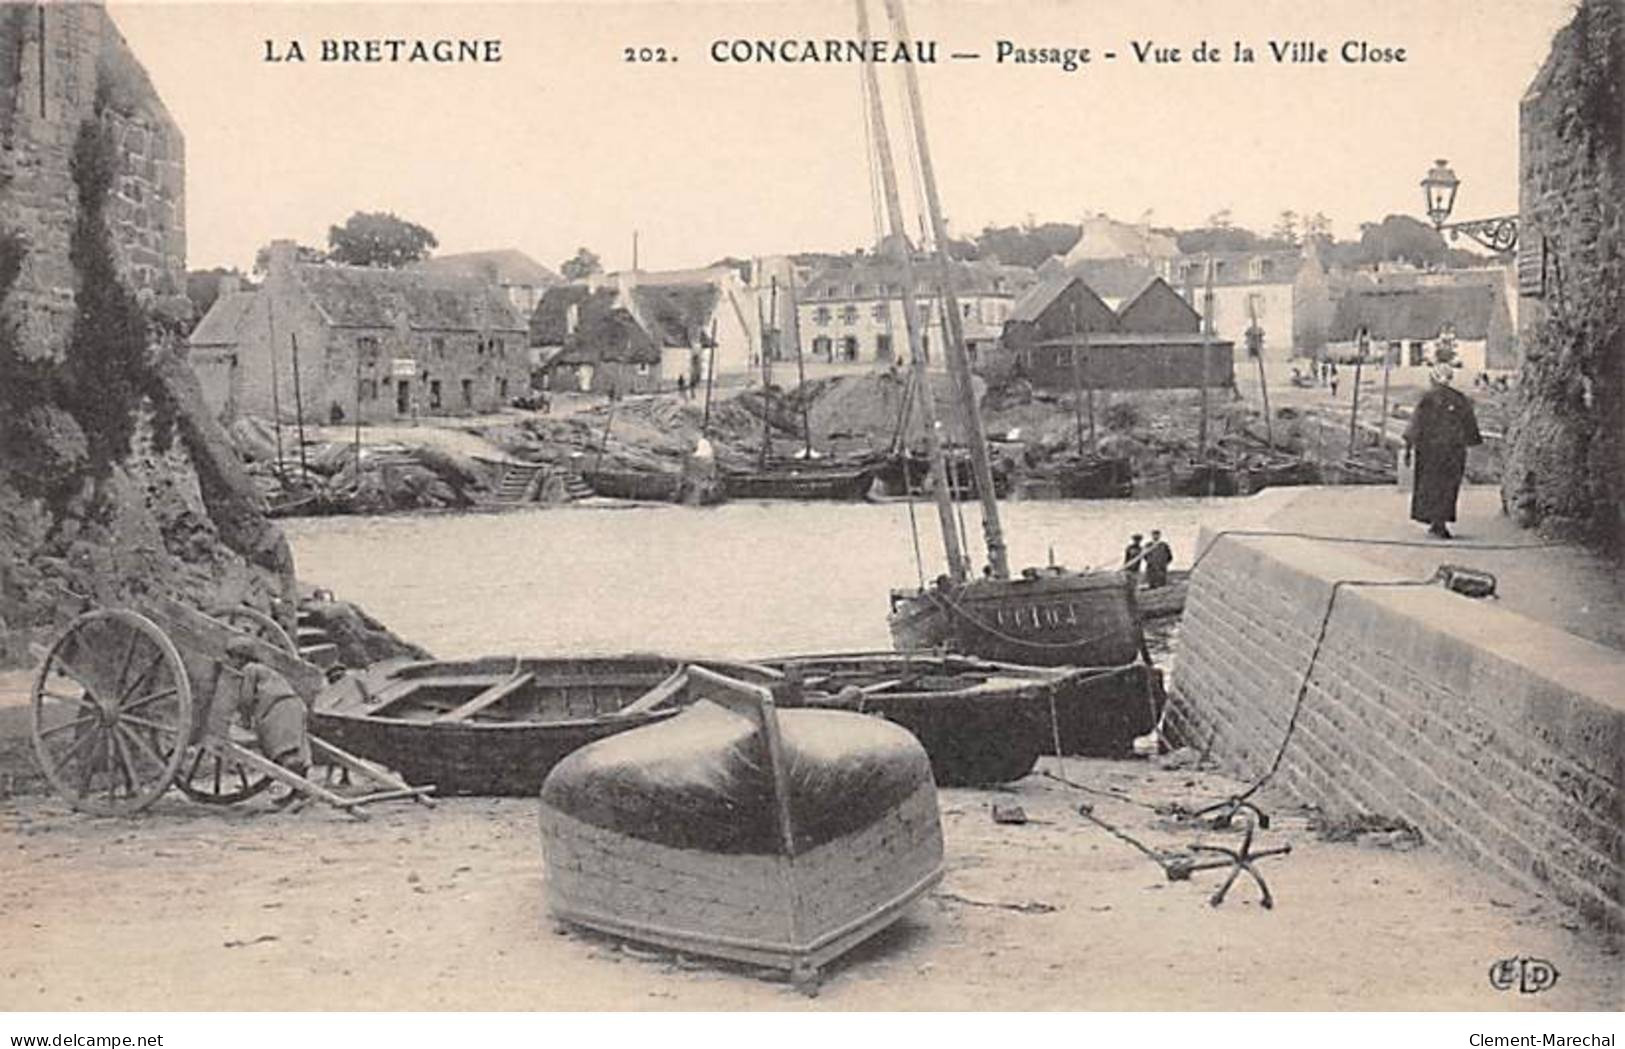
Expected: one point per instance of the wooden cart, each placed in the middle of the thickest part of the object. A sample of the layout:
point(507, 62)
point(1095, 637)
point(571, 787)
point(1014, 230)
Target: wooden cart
point(121, 712)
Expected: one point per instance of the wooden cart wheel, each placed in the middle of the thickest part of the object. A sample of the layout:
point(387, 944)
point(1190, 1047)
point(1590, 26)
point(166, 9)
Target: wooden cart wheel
point(112, 712)
point(254, 623)
point(215, 779)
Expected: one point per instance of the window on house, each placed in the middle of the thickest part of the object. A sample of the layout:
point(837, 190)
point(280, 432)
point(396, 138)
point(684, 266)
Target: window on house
point(435, 399)
point(366, 347)
point(437, 346)
point(1418, 354)
point(821, 315)
point(849, 315)
point(849, 347)
point(883, 345)
point(878, 311)
point(858, 290)
point(502, 390)
point(643, 368)
point(468, 393)
point(965, 310)
point(821, 346)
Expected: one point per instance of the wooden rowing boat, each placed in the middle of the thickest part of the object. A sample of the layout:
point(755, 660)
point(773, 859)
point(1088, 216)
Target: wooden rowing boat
point(1164, 601)
point(980, 721)
point(495, 725)
point(800, 481)
point(652, 486)
point(780, 838)
point(1044, 617)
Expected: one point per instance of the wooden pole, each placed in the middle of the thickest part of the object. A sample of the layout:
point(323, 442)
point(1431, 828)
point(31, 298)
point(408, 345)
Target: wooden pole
point(1354, 407)
point(276, 382)
point(299, 408)
point(1263, 380)
point(942, 496)
point(767, 380)
point(1077, 382)
point(801, 377)
point(1089, 399)
point(710, 380)
point(1207, 342)
point(958, 363)
point(1382, 423)
point(358, 416)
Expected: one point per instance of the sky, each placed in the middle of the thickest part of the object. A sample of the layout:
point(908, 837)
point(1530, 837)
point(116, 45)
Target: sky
point(565, 144)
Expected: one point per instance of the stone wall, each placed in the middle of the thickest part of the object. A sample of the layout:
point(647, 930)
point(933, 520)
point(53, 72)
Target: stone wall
point(68, 64)
point(1566, 463)
point(145, 513)
point(1501, 739)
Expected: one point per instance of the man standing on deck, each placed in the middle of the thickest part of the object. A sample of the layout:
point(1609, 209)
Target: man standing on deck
point(1440, 430)
point(1133, 555)
point(1158, 556)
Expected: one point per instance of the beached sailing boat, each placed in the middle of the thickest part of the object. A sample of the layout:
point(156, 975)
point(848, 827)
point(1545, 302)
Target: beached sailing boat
point(1047, 616)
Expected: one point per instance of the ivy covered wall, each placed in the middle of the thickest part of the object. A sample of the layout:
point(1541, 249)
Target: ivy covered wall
point(1565, 465)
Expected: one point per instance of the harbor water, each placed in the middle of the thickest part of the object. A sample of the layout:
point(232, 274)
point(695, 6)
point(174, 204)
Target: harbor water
point(743, 579)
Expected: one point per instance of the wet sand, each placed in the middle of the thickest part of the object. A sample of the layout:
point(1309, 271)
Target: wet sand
point(192, 908)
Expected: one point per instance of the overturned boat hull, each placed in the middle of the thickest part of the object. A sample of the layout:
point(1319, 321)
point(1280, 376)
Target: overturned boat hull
point(801, 483)
point(736, 830)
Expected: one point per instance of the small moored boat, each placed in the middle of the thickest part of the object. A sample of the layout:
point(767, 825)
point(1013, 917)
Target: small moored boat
point(496, 725)
point(780, 838)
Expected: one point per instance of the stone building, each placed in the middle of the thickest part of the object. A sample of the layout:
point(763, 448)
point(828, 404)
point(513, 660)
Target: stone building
point(522, 279)
point(852, 310)
point(626, 340)
point(1565, 464)
point(65, 65)
point(334, 342)
point(1284, 292)
point(1412, 318)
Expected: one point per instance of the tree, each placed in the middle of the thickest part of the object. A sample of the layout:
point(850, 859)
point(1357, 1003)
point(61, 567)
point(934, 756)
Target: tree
point(1218, 238)
point(581, 266)
point(1317, 226)
point(1220, 219)
point(301, 253)
point(1400, 238)
point(203, 286)
point(379, 238)
point(1286, 227)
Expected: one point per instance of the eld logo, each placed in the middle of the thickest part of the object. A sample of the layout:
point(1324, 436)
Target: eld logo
point(1528, 975)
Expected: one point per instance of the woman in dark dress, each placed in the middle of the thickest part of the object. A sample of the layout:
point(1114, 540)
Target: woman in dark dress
point(1439, 433)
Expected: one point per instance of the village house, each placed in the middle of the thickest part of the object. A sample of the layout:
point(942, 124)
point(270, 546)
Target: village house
point(851, 311)
point(333, 343)
point(1412, 320)
point(520, 277)
point(1062, 336)
point(1104, 238)
point(625, 337)
point(1284, 292)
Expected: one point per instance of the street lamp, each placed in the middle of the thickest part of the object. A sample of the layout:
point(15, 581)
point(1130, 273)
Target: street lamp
point(1439, 196)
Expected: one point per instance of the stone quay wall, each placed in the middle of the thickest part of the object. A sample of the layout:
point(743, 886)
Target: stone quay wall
point(1501, 739)
point(65, 64)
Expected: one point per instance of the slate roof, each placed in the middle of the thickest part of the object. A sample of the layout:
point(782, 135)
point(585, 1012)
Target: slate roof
point(1119, 279)
point(869, 277)
point(677, 314)
point(222, 325)
point(368, 297)
point(1235, 267)
point(603, 332)
point(1415, 312)
point(502, 266)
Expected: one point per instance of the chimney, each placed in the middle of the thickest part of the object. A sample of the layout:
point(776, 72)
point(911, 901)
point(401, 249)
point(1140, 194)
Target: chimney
point(281, 257)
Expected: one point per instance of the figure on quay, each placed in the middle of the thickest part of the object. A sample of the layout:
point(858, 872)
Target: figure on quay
point(1439, 434)
point(1134, 556)
point(1158, 556)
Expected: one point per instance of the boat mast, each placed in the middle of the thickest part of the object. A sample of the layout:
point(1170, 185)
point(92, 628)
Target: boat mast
point(801, 372)
point(911, 317)
point(767, 381)
point(953, 324)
